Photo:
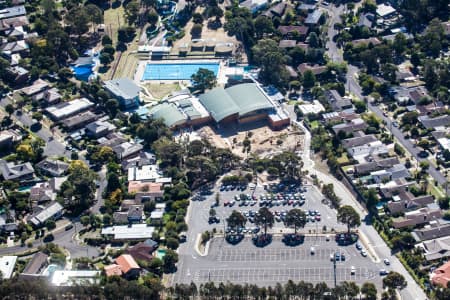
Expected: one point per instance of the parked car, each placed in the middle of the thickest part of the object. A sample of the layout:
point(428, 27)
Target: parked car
point(383, 272)
point(386, 262)
point(353, 270)
point(358, 246)
point(363, 253)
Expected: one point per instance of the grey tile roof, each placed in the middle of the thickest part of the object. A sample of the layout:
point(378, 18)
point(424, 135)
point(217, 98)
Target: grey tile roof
point(10, 171)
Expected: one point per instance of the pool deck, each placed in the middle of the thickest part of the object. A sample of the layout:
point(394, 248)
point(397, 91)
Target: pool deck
point(139, 73)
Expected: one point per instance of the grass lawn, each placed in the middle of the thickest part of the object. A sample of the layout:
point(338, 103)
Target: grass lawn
point(345, 168)
point(314, 124)
point(160, 90)
point(114, 18)
point(343, 159)
point(436, 191)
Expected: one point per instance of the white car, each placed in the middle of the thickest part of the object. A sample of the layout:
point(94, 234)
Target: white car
point(353, 270)
point(386, 262)
point(363, 253)
point(313, 250)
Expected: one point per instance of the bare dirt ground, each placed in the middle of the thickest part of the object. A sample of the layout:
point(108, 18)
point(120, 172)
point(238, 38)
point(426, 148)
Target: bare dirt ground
point(264, 141)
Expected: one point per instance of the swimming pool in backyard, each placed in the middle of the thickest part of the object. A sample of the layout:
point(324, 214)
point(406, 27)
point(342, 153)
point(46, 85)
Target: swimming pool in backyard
point(177, 71)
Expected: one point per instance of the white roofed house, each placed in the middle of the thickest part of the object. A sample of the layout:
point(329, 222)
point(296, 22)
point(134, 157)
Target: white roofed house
point(136, 232)
point(150, 173)
point(52, 211)
point(127, 149)
point(68, 109)
point(125, 90)
point(7, 264)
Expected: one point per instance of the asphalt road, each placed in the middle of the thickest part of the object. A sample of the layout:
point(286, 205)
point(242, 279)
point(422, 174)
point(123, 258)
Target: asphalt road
point(63, 238)
point(375, 242)
point(53, 146)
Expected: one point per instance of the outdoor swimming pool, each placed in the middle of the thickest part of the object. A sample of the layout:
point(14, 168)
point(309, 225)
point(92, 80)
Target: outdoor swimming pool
point(177, 71)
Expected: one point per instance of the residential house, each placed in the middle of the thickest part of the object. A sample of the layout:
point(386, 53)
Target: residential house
point(276, 11)
point(113, 139)
point(360, 153)
point(146, 191)
point(287, 44)
point(112, 270)
point(418, 217)
point(125, 266)
point(133, 214)
point(298, 31)
point(36, 90)
point(313, 18)
point(68, 109)
point(143, 250)
point(254, 5)
point(394, 187)
point(127, 149)
point(12, 12)
point(441, 276)
point(17, 75)
point(358, 141)
point(75, 277)
point(51, 97)
point(435, 249)
point(54, 168)
point(8, 138)
point(20, 47)
point(365, 42)
point(79, 121)
point(7, 264)
point(339, 117)
point(306, 7)
point(133, 232)
point(405, 201)
point(430, 122)
point(46, 191)
point(446, 26)
point(144, 158)
point(125, 91)
point(385, 10)
point(157, 214)
point(337, 102)
point(375, 165)
point(42, 214)
point(11, 171)
point(35, 266)
point(315, 69)
point(434, 230)
point(292, 73)
point(397, 171)
point(99, 128)
point(150, 173)
point(350, 126)
point(8, 23)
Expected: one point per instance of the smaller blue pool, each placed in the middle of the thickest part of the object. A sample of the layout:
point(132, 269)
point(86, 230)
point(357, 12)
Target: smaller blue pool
point(82, 72)
point(176, 71)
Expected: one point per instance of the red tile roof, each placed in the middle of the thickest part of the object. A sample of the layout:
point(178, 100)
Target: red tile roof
point(441, 276)
point(126, 263)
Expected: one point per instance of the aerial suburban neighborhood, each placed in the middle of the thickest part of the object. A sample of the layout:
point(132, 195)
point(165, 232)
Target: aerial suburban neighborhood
point(173, 149)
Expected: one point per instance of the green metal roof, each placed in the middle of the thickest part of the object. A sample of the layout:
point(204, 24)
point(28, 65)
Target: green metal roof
point(219, 104)
point(169, 113)
point(242, 98)
point(248, 97)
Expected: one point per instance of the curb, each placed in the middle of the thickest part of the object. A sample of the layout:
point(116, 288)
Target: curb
point(367, 244)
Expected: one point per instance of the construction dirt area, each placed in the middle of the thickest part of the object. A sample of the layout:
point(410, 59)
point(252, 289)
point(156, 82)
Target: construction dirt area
point(263, 140)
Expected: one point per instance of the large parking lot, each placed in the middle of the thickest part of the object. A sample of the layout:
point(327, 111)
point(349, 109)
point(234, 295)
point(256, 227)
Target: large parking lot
point(276, 262)
point(245, 263)
point(307, 198)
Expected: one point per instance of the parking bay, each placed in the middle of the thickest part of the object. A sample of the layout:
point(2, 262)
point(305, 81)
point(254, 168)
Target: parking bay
point(245, 263)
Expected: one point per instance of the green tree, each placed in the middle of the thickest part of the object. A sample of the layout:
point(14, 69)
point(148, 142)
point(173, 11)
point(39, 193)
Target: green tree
point(444, 202)
point(394, 280)
point(204, 79)
point(309, 79)
point(84, 220)
point(263, 26)
point(152, 17)
point(236, 220)
point(360, 106)
point(295, 217)
point(269, 57)
point(50, 224)
point(9, 108)
point(347, 214)
point(106, 40)
point(264, 218)
point(107, 219)
point(169, 261)
point(132, 11)
point(196, 30)
point(313, 40)
point(369, 290)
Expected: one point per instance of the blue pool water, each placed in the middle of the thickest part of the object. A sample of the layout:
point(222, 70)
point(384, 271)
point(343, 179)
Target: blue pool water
point(176, 71)
point(82, 72)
